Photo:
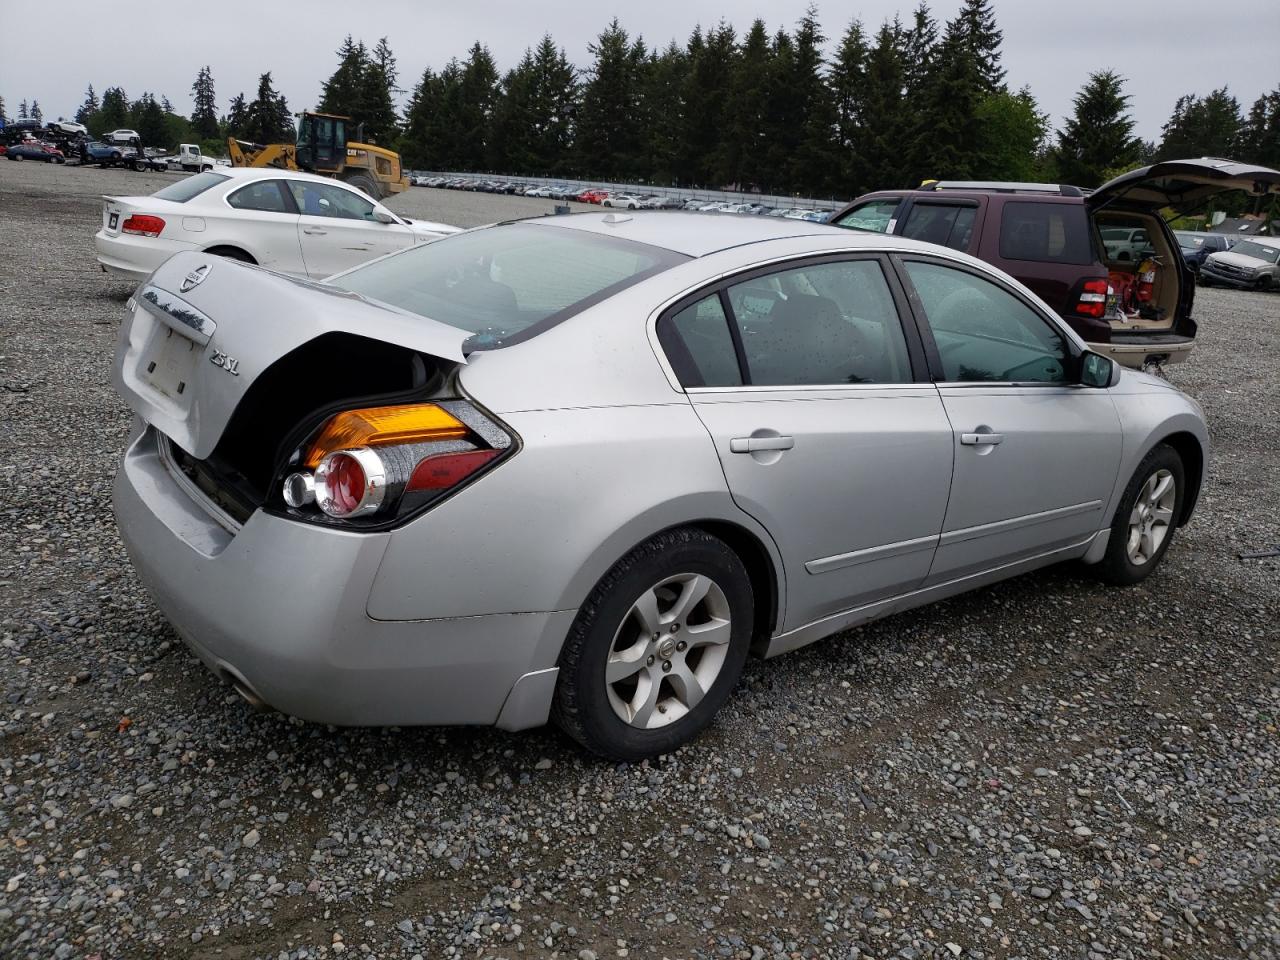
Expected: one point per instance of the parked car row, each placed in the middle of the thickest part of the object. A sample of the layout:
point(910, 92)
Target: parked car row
point(626, 200)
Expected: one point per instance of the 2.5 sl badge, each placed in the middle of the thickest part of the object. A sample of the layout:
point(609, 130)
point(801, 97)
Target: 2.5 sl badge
point(229, 364)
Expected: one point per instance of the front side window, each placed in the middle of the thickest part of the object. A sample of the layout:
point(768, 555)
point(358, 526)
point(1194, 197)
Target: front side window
point(506, 283)
point(822, 324)
point(947, 224)
point(1052, 232)
point(263, 195)
point(326, 200)
point(984, 333)
point(874, 215)
point(698, 343)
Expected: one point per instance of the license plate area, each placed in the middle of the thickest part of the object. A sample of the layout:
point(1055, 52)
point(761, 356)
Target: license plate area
point(113, 219)
point(168, 363)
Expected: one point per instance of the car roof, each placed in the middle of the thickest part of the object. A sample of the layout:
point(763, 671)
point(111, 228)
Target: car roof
point(263, 173)
point(697, 234)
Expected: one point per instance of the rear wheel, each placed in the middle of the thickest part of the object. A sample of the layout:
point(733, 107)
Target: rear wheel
point(16, 156)
point(139, 166)
point(656, 648)
point(232, 253)
point(362, 181)
point(1145, 519)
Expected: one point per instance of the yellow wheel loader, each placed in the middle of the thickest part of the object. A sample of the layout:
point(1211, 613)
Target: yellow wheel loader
point(322, 147)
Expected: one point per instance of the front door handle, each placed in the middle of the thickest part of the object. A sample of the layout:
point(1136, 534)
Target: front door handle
point(315, 231)
point(756, 444)
point(981, 439)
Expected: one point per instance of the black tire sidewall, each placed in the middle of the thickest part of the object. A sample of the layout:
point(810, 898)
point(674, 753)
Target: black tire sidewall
point(1116, 566)
point(602, 730)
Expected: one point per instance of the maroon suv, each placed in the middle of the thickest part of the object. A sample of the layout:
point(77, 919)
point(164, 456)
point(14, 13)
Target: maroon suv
point(1132, 305)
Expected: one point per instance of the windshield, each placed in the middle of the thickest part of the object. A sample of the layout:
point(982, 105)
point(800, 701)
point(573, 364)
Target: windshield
point(184, 190)
point(1190, 241)
point(1251, 249)
point(507, 283)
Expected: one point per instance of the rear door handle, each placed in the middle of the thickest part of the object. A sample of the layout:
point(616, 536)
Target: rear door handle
point(755, 444)
point(981, 439)
point(315, 231)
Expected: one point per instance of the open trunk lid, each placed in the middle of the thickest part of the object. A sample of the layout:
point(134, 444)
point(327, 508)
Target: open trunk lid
point(1184, 185)
point(201, 329)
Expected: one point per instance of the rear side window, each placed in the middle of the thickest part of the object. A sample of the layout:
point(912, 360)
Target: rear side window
point(184, 190)
point(950, 225)
point(700, 347)
point(264, 195)
point(1047, 232)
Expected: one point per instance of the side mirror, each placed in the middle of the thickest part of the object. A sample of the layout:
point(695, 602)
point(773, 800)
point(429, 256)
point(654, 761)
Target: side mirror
point(382, 216)
point(1096, 370)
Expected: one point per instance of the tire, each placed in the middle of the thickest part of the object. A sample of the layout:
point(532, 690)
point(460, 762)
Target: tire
point(674, 687)
point(1131, 555)
point(17, 156)
point(362, 181)
point(139, 166)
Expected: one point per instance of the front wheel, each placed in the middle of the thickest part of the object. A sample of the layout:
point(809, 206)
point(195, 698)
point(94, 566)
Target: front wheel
point(16, 156)
point(1145, 518)
point(656, 648)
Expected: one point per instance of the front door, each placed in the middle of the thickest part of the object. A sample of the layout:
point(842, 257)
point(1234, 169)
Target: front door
point(804, 380)
point(1036, 454)
point(337, 229)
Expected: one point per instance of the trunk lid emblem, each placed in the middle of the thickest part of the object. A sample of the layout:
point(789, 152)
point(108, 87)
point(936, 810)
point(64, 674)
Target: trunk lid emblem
point(194, 278)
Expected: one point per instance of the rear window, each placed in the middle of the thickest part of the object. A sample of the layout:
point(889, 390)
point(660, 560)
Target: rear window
point(507, 283)
point(1262, 252)
point(184, 190)
point(1047, 232)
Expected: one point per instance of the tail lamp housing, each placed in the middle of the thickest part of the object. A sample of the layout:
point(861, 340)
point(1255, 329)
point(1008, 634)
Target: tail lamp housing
point(142, 225)
point(1094, 298)
point(377, 466)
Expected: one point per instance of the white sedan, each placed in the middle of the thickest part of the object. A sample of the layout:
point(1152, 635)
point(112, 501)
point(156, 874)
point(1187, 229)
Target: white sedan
point(288, 221)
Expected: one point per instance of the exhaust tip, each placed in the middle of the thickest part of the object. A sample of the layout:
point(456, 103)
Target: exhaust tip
point(246, 692)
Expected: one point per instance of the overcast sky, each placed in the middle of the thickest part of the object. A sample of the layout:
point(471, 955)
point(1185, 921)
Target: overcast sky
point(54, 48)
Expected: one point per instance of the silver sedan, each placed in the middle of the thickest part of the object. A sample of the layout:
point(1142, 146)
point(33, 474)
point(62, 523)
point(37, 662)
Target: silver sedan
point(580, 467)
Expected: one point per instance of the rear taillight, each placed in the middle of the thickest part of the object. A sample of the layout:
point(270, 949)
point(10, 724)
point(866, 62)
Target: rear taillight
point(378, 465)
point(1092, 301)
point(142, 225)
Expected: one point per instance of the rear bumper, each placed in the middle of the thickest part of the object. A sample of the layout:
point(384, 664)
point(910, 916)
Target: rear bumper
point(280, 609)
point(134, 257)
point(1140, 352)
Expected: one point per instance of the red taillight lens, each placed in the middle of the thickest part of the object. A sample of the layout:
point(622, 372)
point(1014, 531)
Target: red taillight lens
point(446, 469)
point(1093, 298)
point(142, 225)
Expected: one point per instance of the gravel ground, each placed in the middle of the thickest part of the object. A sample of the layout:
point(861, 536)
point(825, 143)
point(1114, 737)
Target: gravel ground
point(1046, 768)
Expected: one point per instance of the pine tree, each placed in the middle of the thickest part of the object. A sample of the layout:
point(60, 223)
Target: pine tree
point(947, 139)
point(115, 109)
point(848, 87)
point(204, 118)
point(741, 161)
point(662, 110)
point(1260, 133)
point(1202, 127)
point(1098, 137)
point(147, 116)
point(24, 112)
point(88, 112)
point(919, 45)
point(237, 116)
point(884, 134)
point(610, 130)
point(977, 24)
point(341, 93)
point(267, 118)
point(782, 104)
point(553, 103)
point(710, 61)
point(375, 107)
point(1015, 132)
point(36, 113)
point(478, 95)
point(815, 167)
point(2, 113)
point(413, 146)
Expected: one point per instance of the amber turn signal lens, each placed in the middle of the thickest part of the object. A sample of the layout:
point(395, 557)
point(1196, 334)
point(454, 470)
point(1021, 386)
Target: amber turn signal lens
point(379, 426)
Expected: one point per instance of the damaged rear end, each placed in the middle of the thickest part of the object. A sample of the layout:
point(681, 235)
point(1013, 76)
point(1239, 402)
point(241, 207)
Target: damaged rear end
point(311, 403)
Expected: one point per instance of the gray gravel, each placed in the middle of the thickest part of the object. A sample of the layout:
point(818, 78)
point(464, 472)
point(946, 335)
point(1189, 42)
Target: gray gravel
point(1046, 768)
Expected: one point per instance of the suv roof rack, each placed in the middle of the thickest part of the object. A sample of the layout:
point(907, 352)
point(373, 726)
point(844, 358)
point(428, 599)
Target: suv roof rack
point(1062, 189)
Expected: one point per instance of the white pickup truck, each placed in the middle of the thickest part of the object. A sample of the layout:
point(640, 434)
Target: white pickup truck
point(190, 158)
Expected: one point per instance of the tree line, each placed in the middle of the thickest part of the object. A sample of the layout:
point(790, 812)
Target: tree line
point(764, 110)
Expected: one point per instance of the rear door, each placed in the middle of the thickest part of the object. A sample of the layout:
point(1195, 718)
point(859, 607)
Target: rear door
point(803, 375)
point(1036, 454)
point(263, 220)
point(337, 229)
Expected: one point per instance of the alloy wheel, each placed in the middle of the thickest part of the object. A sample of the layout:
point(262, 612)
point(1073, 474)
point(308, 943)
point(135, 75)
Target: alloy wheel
point(668, 651)
point(1152, 517)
